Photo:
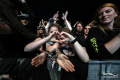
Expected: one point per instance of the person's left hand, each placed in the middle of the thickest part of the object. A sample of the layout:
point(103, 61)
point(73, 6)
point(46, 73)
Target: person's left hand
point(64, 15)
point(68, 37)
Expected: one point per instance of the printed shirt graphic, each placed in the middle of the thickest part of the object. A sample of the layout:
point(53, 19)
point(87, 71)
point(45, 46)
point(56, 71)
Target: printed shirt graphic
point(94, 44)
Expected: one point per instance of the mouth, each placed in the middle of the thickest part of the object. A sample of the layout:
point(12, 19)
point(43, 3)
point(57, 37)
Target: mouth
point(104, 19)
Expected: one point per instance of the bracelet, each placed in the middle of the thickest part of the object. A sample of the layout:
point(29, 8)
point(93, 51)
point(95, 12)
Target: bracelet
point(57, 55)
point(47, 52)
point(73, 41)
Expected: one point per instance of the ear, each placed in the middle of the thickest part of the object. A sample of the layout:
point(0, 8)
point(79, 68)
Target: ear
point(116, 14)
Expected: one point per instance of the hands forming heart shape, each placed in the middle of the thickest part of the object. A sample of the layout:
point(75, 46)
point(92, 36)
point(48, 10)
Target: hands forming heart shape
point(61, 37)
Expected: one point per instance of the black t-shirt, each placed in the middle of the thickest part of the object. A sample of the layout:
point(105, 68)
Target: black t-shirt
point(95, 44)
point(81, 69)
point(82, 41)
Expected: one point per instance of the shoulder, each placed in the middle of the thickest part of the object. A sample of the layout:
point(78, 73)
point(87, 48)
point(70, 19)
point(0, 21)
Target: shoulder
point(95, 30)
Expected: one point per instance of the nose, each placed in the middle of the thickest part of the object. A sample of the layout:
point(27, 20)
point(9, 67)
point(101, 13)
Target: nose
point(104, 14)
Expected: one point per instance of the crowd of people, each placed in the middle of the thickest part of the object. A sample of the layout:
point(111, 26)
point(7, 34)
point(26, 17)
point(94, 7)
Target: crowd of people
point(51, 51)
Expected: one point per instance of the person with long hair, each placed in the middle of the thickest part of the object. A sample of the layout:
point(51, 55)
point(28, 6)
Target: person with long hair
point(75, 52)
point(103, 40)
point(49, 49)
point(13, 37)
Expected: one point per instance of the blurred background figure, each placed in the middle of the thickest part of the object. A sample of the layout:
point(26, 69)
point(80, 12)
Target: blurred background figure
point(86, 30)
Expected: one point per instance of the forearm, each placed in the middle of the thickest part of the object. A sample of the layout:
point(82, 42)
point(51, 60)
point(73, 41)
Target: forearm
point(81, 52)
point(68, 24)
point(113, 45)
point(46, 27)
point(34, 45)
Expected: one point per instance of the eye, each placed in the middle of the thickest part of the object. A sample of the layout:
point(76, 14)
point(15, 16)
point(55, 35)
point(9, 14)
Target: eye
point(51, 31)
point(108, 11)
point(100, 14)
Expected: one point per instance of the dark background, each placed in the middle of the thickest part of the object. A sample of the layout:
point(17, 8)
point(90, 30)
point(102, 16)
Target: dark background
point(78, 10)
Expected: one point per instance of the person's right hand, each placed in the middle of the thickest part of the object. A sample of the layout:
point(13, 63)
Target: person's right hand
point(38, 60)
point(64, 62)
point(53, 35)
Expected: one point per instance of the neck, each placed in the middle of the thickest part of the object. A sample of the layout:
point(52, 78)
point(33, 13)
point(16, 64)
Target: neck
point(110, 25)
point(85, 35)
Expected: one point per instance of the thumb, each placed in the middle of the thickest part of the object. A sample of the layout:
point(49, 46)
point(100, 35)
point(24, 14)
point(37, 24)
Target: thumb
point(65, 57)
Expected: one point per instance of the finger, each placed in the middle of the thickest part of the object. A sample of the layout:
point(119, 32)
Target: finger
point(38, 64)
point(69, 67)
point(63, 14)
point(64, 56)
point(34, 60)
point(65, 68)
point(57, 12)
point(66, 13)
point(70, 64)
point(21, 12)
point(62, 65)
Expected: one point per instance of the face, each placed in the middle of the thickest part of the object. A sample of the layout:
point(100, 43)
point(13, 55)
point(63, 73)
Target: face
point(106, 15)
point(24, 22)
point(86, 29)
point(62, 37)
point(52, 29)
point(39, 31)
point(79, 27)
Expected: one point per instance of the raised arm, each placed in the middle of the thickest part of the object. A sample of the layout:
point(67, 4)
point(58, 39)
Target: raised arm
point(67, 24)
point(53, 19)
point(38, 42)
point(78, 48)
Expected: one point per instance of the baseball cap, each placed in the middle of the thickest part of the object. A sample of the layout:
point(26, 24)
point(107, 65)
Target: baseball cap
point(24, 15)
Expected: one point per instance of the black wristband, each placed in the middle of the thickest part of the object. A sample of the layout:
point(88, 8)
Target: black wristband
point(73, 41)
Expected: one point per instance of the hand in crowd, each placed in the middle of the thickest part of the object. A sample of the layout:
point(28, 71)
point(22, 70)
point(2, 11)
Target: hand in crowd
point(68, 37)
point(38, 60)
point(64, 62)
point(55, 17)
point(53, 35)
point(76, 23)
point(42, 23)
point(64, 15)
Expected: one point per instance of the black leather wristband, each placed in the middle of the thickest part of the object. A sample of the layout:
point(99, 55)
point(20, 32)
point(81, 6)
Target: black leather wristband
point(73, 41)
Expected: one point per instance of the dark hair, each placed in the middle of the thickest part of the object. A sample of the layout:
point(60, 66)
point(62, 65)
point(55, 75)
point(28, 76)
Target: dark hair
point(75, 31)
point(79, 22)
point(8, 15)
